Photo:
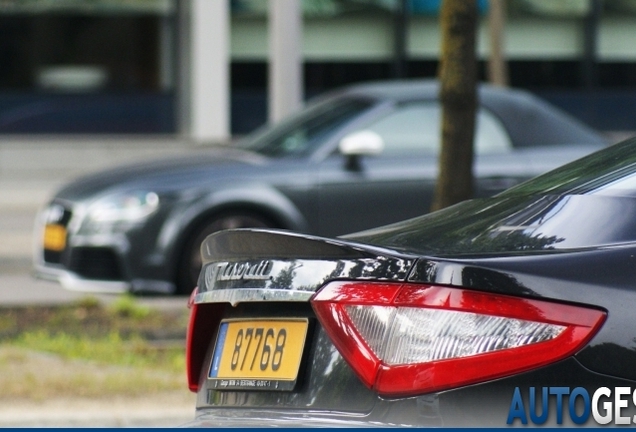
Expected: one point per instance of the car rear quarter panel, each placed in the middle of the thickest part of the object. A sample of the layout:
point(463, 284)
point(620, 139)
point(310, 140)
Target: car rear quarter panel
point(600, 278)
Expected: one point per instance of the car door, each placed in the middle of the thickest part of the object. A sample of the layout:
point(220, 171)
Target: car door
point(399, 182)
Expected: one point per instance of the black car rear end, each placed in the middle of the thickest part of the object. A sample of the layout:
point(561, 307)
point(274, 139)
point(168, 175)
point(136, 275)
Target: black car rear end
point(513, 310)
point(328, 388)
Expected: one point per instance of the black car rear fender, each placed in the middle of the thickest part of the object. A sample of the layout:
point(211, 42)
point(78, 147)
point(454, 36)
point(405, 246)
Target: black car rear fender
point(600, 278)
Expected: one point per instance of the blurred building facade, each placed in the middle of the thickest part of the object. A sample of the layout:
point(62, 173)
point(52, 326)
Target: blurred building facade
point(157, 66)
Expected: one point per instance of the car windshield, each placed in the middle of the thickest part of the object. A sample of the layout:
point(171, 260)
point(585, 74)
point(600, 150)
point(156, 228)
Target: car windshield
point(301, 134)
point(609, 172)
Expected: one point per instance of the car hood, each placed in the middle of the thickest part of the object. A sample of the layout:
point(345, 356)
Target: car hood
point(164, 174)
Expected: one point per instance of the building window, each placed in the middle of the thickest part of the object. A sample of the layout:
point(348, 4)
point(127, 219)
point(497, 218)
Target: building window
point(104, 66)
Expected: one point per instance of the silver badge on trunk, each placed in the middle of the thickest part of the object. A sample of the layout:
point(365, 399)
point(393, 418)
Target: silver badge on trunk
point(226, 271)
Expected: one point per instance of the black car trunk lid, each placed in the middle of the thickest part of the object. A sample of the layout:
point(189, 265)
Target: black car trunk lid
point(267, 265)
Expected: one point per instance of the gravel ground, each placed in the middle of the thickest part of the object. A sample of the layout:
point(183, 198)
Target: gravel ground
point(165, 410)
point(38, 390)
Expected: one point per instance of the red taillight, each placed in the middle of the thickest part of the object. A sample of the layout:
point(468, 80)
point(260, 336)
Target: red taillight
point(193, 375)
point(202, 327)
point(405, 339)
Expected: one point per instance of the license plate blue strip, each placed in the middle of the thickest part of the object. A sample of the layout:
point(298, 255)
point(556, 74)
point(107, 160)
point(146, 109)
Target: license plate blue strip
point(218, 350)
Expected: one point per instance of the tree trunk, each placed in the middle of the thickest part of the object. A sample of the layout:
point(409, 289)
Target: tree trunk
point(497, 65)
point(458, 96)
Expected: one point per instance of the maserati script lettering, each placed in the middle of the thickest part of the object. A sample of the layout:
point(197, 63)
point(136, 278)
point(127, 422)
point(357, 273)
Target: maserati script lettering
point(236, 271)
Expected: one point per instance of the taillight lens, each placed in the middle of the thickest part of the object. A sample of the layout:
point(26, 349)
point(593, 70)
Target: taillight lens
point(202, 327)
point(192, 372)
point(405, 339)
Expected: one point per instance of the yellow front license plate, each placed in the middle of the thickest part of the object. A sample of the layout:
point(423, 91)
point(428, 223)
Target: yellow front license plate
point(258, 354)
point(54, 237)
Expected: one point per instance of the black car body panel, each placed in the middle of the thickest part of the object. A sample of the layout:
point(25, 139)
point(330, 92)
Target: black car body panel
point(293, 176)
point(567, 238)
point(331, 394)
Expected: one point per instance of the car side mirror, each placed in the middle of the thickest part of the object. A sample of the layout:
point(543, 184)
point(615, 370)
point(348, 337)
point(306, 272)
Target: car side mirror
point(358, 144)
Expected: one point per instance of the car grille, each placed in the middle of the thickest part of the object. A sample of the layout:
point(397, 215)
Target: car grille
point(94, 263)
point(52, 257)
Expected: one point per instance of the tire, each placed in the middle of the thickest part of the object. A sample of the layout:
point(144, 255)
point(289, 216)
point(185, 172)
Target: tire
point(190, 261)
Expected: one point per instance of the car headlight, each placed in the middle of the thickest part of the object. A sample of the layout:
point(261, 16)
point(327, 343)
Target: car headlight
point(124, 207)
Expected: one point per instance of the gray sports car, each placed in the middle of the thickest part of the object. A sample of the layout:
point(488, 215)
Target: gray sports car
point(356, 158)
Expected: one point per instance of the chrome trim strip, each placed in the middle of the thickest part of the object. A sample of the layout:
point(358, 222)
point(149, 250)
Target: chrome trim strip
point(72, 282)
point(241, 295)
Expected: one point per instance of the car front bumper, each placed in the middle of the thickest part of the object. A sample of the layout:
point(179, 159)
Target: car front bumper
point(74, 282)
point(92, 263)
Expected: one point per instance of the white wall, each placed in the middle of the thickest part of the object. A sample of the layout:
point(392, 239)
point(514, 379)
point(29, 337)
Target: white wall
point(209, 95)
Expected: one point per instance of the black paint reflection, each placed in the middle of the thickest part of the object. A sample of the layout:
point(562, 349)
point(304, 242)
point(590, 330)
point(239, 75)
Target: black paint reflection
point(449, 273)
point(513, 224)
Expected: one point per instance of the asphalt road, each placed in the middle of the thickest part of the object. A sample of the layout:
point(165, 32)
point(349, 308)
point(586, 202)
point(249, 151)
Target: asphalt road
point(18, 287)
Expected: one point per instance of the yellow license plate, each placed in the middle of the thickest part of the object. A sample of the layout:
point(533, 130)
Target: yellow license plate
point(259, 354)
point(54, 237)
